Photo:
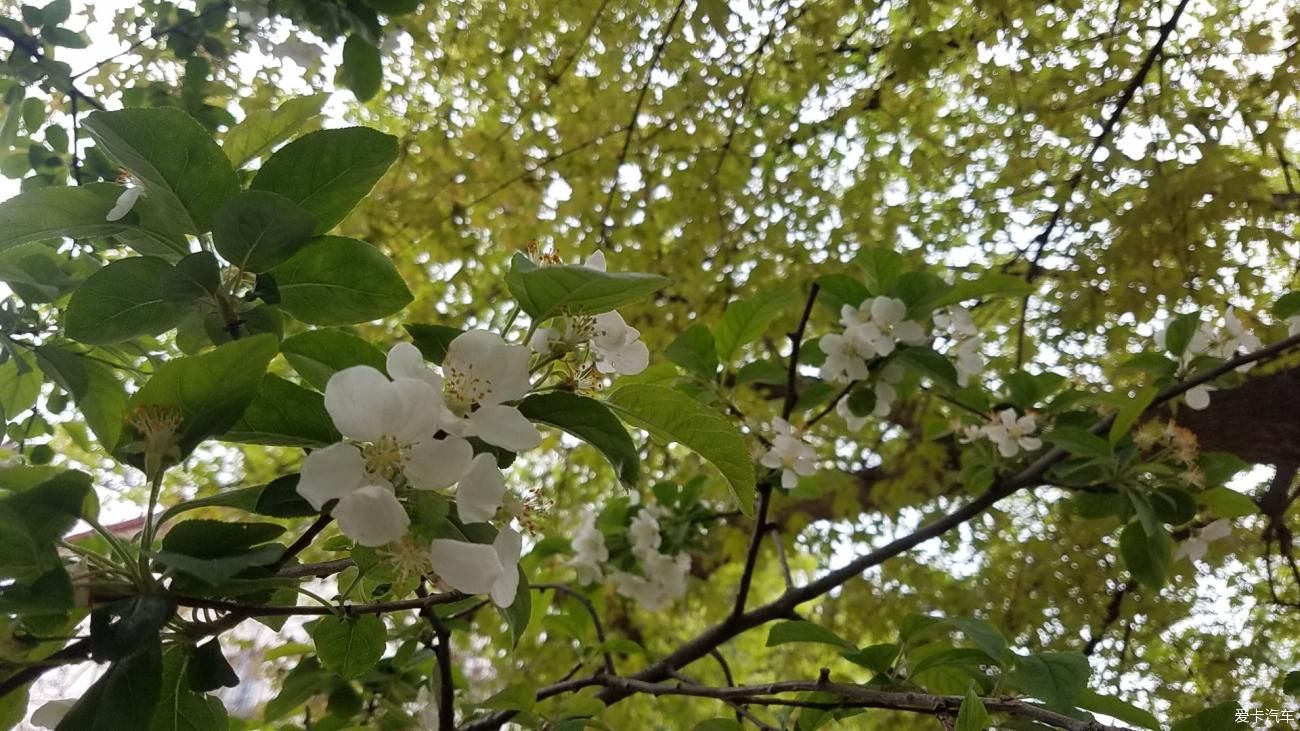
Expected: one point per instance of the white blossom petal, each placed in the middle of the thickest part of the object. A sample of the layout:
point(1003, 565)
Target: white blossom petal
point(628, 360)
point(508, 546)
point(418, 412)
point(482, 369)
point(1198, 398)
point(436, 463)
point(358, 399)
point(125, 202)
point(478, 496)
point(471, 568)
point(596, 261)
point(371, 516)
point(505, 427)
point(51, 713)
point(331, 473)
point(405, 361)
point(888, 310)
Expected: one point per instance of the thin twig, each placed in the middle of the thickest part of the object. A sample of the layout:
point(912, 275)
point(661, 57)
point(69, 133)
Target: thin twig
point(591, 610)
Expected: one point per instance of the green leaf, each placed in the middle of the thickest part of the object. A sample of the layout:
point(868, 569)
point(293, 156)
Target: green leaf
point(695, 351)
point(520, 612)
point(318, 354)
point(880, 267)
point(590, 421)
point(921, 291)
point(329, 171)
point(215, 571)
point(985, 635)
point(544, 292)
point(929, 364)
point(44, 214)
point(208, 668)
point(20, 385)
point(1131, 412)
point(262, 129)
point(118, 628)
point(180, 708)
point(124, 698)
point(1288, 305)
point(55, 12)
point(798, 630)
point(93, 386)
point(1214, 718)
point(211, 390)
point(362, 70)
point(877, 658)
point(1227, 503)
point(972, 716)
point(284, 414)
point(989, 285)
point(123, 300)
point(213, 538)
point(64, 37)
point(195, 276)
point(1147, 556)
point(673, 416)
point(1118, 709)
point(745, 321)
point(517, 697)
point(1291, 683)
point(433, 340)
point(838, 290)
point(718, 724)
point(257, 230)
point(1180, 331)
point(340, 281)
point(1079, 441)
point(350, 646)
point(173, 157)
point(1056, 678)
point(33, 520)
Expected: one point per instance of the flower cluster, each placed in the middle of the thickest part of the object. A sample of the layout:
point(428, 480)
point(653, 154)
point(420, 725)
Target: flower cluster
point(662, 580)
point(871, 330)
point(616, 346)
point(589, 551)
point(885, 396)
point(1008, 432)
point(789, 453)
point(410, 432)
point(967, 351)
point(1206, 341)
point(1195, 547)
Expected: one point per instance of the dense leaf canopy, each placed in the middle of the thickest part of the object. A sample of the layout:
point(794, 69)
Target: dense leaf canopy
point(1107, 187)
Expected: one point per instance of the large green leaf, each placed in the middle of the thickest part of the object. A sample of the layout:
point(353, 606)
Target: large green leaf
point(1116, 708)
point(350, 646)
point(972, 716)
point(93, 386)
point(204, 538)
point(547, 291)
point(173, 157)
point(591, 421)
point(284, 414)
point(318, 354)
point(121, 301)
point(340, 281)
point(43, 214)
point(695, 350)
point(1148, 556)
point(1056, 678)
point(262, 129)
point(179, 707)
point(33, 520)
point(328, 172)
point(124, 698)
point(673, 416)
point(745, 321)
point(211, 390)
point(362, 70)
point(256, 230)
point(217, 570)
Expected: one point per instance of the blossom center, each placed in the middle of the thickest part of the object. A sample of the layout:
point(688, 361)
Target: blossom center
point(463, 390)
point(383, 457)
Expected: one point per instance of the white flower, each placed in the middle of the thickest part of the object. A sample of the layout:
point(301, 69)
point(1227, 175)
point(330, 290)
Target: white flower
point(1237, 337)
point(480, 491)
point(477, 568)
point(1195, 547)
point(885, 397)
point(427, 714)
point(790, 454)
point(643, 532)
point(956, 320)
point(596, 261)
point(480, 373)
point(618, 346)
point(589, 551)
point(843, 363)
point(1012, 434)
point(125, 202)
point(1198, 397)
point(663, 577)
point(968, 358)
point(51, 713)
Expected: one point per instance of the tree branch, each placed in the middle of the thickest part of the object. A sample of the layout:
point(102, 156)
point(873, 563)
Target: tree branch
point(591, 610)
point(245, 611)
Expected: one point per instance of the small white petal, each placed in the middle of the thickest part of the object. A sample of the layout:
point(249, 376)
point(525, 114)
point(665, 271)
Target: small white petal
point(471, 568)
point(51, 714)
point(499, 370)
point(1198, 398)
point(405, 361)
point(331, 473)
point(505, 427)
point(125, 203)
point(1217, 530)
point(357, 399)
point(888, 310)
point(628, 360)
point(413, 410)
point(371, 516)
point(478, 496)
point(436, 463)
point(596, 261)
